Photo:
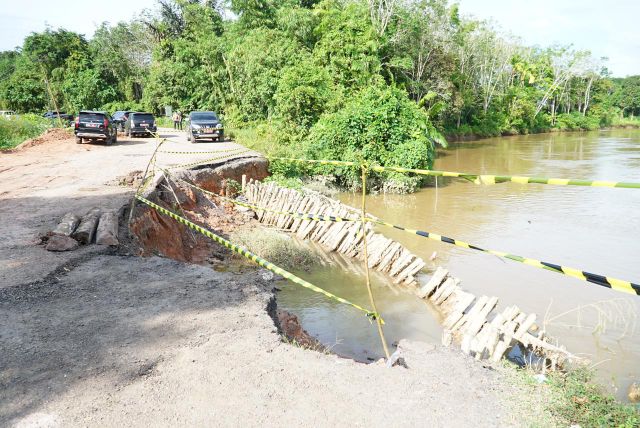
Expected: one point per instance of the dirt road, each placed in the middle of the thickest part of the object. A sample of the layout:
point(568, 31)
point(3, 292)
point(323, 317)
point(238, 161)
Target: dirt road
point(99, 337)
point(39, 184)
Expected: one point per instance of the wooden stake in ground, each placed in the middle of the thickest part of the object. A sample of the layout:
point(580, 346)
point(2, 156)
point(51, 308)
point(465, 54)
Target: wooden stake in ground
point(363, 223)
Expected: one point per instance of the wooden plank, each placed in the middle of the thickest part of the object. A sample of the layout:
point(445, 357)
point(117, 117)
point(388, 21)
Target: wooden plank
point(435, 281)
point(445, 291)
point(479, 304)
point(464, 301)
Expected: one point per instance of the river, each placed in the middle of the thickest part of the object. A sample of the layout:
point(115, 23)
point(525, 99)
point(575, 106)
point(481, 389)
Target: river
point(590, 228)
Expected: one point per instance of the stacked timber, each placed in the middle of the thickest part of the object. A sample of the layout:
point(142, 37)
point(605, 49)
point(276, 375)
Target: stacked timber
point(483, 332)
point(344, 237)
point(474, 322)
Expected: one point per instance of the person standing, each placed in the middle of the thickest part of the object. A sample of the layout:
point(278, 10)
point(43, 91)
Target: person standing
point(180, 120)
point(175, 119)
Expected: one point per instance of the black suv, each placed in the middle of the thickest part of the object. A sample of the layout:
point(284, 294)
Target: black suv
point(54, 115)
point(95, 125)
point(119, 118)
point(204, 124)
point(140, 124)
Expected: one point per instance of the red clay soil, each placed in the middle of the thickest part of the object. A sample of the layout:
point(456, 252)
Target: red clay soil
point(53, 135)
point(158, 234)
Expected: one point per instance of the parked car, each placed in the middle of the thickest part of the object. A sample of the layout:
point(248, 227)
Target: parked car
point(140, 124)
point(95, 125)
point(8, 114)
point(119, 118)
point(204, 124)
point(55, 115)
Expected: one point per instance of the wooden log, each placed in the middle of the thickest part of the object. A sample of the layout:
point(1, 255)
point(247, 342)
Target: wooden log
point(107, 231)
point(67, 225)
point(435, 281)
point(86, 230)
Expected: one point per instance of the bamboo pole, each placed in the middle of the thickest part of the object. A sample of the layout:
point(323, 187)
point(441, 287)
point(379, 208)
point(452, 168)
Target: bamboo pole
point(366, 262)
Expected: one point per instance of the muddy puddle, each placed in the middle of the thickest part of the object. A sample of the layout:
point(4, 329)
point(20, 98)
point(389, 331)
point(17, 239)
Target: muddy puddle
point(593, 229)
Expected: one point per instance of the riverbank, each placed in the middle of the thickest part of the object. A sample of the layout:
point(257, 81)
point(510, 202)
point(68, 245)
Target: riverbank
point(104, 337)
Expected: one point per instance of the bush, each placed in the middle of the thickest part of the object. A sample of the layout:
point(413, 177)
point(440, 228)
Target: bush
point(576, 122)
point(18, 129)
point(379, 125)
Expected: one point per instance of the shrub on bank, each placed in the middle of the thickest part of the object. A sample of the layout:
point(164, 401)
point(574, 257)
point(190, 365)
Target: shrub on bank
point(18, 129)
point(577, 122)
point(379, 125)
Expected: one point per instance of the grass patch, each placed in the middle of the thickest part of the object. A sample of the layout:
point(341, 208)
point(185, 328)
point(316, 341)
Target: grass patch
point(583, 402)
point(568, 399)
point(18, 129)
point(278, 248)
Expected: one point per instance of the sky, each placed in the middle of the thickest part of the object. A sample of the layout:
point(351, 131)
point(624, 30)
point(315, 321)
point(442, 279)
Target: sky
point(607, 28)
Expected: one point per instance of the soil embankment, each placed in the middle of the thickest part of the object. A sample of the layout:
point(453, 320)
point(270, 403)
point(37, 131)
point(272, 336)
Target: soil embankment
point(100, 336)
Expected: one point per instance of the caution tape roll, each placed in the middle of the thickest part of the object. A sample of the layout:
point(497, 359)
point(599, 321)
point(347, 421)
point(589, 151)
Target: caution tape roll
point(302, 216)
point(255, 258)
point(604, 281)
point(478, 178)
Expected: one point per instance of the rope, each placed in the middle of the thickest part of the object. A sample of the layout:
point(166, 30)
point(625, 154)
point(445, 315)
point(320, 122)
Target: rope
point(372, 301)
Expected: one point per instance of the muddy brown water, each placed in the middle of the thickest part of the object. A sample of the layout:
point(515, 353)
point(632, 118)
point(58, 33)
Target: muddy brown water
point(593, 229)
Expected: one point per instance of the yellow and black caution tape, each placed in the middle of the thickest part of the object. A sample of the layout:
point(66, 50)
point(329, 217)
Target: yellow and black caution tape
point(237, 149)
point(302, 216)
point(604, 281)
point(260, 261)
point(207, 161)
point(493, 179)
point(478, 178)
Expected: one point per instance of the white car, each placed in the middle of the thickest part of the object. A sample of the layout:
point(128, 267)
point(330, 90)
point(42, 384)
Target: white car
point(7, 114)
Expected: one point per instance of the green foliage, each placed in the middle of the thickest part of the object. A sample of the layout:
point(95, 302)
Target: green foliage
point(303, 93)
point(86, 90)
point(379, 125)
point(584, 403)
point(18, 129)
point(577, 122)
point(347, 46)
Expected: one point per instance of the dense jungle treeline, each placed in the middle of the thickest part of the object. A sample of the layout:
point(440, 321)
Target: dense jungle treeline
point(383, 79)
